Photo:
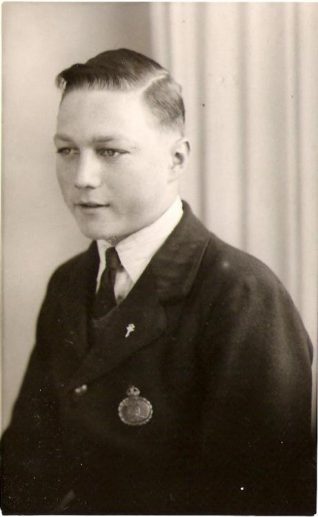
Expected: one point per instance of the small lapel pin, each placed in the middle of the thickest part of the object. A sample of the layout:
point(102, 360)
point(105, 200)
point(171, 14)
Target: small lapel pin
point(129, 329)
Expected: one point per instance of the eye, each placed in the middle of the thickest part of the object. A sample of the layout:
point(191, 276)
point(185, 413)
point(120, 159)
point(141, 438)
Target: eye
point(66, 151)
point(107, 152)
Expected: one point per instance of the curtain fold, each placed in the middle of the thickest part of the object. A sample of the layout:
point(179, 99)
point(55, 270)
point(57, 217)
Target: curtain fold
point(249, 74)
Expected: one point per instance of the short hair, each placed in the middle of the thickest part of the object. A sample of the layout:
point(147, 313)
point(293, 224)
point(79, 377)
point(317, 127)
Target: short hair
point(125, 70)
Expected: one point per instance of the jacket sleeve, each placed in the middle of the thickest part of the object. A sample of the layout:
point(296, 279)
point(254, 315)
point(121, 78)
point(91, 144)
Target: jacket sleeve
point(31, 446)
point(256, 374)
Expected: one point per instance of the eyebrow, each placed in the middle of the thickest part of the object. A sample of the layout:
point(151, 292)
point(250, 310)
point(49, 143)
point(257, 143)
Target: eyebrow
point(97, 139)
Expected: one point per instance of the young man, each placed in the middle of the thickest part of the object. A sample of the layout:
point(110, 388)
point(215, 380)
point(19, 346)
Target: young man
point(177, 378)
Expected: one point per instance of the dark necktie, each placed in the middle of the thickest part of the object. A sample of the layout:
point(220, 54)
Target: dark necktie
point(105, 297)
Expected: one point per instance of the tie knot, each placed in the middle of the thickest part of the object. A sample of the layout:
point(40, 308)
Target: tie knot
point(112, 259)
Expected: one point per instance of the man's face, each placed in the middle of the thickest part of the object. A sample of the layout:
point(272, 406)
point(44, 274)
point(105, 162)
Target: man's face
point(116, 167)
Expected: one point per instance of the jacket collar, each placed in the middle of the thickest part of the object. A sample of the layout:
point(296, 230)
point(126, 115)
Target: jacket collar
point(176, 263)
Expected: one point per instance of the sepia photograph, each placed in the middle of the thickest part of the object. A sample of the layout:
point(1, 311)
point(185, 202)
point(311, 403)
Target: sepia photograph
point(159, 263)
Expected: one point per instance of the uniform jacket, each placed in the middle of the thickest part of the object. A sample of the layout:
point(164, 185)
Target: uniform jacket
point(219, 351)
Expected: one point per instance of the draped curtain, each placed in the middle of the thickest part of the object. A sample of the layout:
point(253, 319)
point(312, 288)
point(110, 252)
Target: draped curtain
point(249, 74)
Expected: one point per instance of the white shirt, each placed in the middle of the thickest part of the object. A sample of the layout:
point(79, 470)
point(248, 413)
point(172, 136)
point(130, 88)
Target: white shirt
point(136, 250)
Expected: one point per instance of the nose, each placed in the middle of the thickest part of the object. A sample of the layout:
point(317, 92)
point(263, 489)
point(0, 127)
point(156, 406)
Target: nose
point(88, 174)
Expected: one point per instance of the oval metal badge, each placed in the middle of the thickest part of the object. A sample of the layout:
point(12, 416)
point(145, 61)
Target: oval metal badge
point(135, 410)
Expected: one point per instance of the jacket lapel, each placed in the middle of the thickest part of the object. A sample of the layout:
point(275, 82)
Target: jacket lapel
point(176, 264)
point(141, 318)
point(74, 299)
point(137, 321)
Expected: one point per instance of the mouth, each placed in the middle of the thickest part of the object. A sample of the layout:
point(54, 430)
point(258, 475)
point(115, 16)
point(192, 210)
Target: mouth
point(91, 205)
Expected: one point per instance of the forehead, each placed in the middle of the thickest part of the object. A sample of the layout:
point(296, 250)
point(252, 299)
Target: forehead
point(86, 109)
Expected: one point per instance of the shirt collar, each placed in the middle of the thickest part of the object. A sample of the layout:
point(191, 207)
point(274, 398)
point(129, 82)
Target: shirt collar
point(136, 250)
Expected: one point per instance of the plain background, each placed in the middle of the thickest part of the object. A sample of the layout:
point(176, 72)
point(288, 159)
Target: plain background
point(40, 39)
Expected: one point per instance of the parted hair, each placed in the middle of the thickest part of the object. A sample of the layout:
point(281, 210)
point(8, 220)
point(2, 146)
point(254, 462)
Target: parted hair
point(125, 70)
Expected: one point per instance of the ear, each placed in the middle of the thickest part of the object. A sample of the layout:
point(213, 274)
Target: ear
point(180, 153)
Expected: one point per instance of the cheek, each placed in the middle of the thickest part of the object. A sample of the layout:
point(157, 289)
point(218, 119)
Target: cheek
point(141, 188)
point(62, 182)
point(65, 184)
point(64, 174)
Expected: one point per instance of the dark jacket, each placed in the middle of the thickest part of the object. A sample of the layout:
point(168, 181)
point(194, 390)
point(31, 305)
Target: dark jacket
point(219, 351)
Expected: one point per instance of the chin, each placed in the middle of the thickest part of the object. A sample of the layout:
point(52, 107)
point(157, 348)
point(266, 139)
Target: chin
point(95, 233)
point(92, 232)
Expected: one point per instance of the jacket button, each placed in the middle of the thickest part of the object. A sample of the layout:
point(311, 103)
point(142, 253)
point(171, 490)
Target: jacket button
point(80, 390)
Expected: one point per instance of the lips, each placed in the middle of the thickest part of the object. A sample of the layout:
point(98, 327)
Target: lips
point(91, 204)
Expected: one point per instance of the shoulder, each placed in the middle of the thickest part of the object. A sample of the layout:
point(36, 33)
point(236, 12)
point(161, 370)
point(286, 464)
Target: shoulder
point(242, 290)
point(248, 301)
point(75, 269)
point(228, 268)
point(222, 265)
point(214, 269)
point(64, 269)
